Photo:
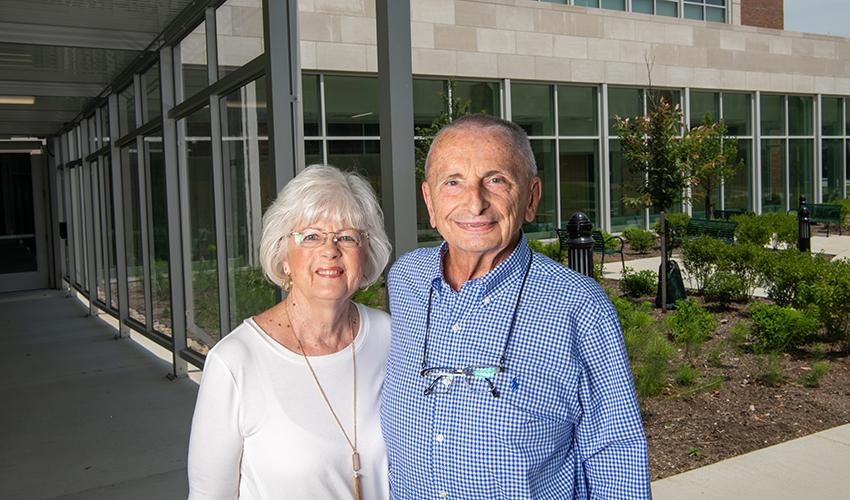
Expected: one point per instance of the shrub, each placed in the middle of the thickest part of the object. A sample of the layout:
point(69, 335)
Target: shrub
point(776, 328)
point(746, 260)
point(754, 229)
point(687, 375)
point(548, 249)
point(812, 377)
point(739, 335)
point(830, 294)
point(700, 256)
point(771, 373)
point(845, 210)
point(725, 287)
point(648, 349)
point(784, 228)
point(639, 240)
point(638, 284)
point(374, 296)
point(691, 325)
point(786, 271)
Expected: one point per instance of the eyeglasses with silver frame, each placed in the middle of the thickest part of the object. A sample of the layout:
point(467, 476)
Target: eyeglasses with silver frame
point(314, 238)
point(478, 378)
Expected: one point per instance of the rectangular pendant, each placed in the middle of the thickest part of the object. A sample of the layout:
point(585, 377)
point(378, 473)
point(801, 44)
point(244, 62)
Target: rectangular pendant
point(355, 461)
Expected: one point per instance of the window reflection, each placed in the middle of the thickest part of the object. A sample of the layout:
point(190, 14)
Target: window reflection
point(203, 327)
point(238, 33)
point(248, 190)
point(160, 272)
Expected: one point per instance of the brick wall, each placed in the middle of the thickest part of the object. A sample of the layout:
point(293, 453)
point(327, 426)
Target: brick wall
point(763, 13)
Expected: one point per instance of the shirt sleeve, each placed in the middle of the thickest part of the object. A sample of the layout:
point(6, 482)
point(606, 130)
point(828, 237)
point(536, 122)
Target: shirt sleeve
point(610, 436)
point(215, 443)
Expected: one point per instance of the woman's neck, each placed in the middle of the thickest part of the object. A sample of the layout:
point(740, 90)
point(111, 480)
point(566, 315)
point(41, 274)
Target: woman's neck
point(322, 327)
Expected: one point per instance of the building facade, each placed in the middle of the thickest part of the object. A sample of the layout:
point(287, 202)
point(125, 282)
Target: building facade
point(163, 182)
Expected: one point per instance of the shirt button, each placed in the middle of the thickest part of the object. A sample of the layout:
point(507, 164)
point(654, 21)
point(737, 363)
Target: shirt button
point(455, 327)
point(439, 438)
point(444, 494)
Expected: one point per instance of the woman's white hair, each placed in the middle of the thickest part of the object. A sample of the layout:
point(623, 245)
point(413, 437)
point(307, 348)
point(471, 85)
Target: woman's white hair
point(324, 192)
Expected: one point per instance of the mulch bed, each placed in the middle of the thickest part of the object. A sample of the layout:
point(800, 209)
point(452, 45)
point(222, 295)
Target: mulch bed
point(729, 411)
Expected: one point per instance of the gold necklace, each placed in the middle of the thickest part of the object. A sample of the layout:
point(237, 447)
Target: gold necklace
point(355, 455)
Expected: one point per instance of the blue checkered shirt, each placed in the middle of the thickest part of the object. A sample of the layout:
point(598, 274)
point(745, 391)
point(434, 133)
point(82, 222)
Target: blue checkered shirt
point(566, 424)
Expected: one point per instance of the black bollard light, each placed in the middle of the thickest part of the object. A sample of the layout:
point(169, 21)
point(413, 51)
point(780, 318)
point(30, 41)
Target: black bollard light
point(804, 227)
point(580, 244)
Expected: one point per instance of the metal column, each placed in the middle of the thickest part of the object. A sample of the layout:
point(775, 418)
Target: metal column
point(395, 89)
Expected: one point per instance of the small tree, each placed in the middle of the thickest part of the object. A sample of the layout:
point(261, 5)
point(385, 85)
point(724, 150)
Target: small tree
point(711, 156)
point(453, 108)
point(651, 147)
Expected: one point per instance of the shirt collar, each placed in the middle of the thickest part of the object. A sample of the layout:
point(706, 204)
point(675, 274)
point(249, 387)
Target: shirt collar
point(490, 282)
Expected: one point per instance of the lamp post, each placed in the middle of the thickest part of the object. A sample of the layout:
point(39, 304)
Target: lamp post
point(804, 227)
point(580, 244)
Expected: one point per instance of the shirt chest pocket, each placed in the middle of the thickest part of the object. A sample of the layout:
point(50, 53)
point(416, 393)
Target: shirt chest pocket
point(533, 420)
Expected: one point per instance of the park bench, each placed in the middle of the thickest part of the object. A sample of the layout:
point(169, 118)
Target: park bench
point(720, 229)
point(825, 214)
point(600, 245)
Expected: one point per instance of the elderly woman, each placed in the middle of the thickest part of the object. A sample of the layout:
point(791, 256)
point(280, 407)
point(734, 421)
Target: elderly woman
point(288, 403)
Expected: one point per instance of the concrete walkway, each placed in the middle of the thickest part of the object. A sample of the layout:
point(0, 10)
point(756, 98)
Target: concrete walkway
point(83, 416)
point(812, 467)
point(836, 245)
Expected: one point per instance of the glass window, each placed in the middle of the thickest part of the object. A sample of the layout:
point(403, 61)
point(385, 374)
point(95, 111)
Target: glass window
point(532, 108)
point(831, 169)
point(614, 4)
point(133, 231)
point(238, 33)
point(191, 63)
point(714, 14)
point(94, 175)
point(312, 152)
point(578, 166)
point(312, 106)
point(737, 113)
point(363, 157)
point(773, 179)
point(104, 125)
point(430, 100)
point(847, 118)
point(668, 8)
point(586, 3)
point(76, 223)
point(94, 140)
point(623, 184)
point(704, 104)
point(694, 11)
point(112, 261)
point(158, 236)
point(800, 115)
point(643, 6)
point(737, 189)
point(126, 110)
point(832, 116)
point(578, 111)
point(772, 114)
point(18, 249)
point(800, 174)
point(151, 101)
point(483, 97)
point(547, 216)
point(351, 106)
point(624, 103)
point(193, 141)
point(249, 188)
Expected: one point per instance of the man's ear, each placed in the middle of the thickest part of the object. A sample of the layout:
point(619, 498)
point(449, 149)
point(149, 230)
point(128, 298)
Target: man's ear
point(426, 195)
point(535, 190)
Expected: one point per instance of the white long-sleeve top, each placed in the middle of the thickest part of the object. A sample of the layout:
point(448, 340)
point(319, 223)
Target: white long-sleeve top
point(261, 429)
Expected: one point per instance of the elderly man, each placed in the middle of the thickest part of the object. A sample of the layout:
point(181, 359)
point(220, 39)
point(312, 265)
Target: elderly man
point(507, 376)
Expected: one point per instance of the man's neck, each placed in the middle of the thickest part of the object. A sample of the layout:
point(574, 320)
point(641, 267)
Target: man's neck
point(460, 267)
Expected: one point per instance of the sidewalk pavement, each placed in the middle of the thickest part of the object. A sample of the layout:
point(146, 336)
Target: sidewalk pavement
point(836, 245)
point(811, 467)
